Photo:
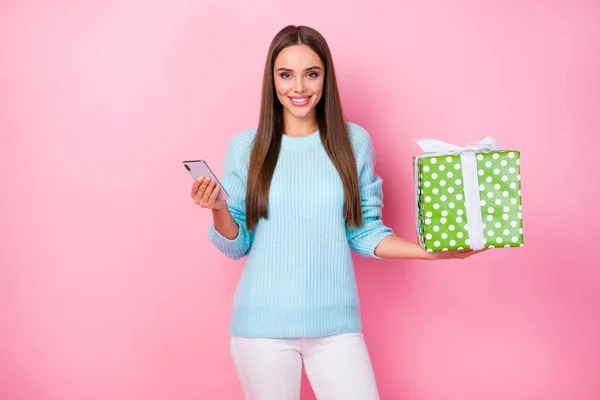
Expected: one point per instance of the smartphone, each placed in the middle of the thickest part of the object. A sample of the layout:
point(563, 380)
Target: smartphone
point(198, 168)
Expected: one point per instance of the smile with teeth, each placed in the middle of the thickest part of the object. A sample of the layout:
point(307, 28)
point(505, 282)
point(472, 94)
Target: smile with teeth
point(299, 101)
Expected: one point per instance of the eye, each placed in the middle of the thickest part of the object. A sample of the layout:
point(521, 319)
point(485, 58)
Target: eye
point(285, 75)
point(313, 74)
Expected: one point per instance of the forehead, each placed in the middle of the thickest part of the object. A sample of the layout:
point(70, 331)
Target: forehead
point(297, 57)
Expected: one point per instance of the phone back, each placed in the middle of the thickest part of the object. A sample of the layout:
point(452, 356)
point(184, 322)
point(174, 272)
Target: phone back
point(198, 168)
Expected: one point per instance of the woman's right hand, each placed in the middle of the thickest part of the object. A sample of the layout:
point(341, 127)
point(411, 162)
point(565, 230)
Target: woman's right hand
point(205, 191)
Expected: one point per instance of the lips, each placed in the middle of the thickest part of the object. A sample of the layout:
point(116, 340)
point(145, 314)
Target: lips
point(299, 101)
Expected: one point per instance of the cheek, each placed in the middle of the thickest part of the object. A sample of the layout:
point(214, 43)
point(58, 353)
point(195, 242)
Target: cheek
point(316, 87)
point(281, 87)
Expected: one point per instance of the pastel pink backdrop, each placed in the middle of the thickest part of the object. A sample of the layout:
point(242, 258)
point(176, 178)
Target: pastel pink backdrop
point(109, 288)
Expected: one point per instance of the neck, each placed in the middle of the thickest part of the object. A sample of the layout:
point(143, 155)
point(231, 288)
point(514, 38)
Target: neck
point(293, 126)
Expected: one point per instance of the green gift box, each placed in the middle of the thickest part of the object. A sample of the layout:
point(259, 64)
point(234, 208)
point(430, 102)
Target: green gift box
point(467, 197)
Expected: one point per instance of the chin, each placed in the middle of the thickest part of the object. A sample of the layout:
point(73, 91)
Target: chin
point(301, 113)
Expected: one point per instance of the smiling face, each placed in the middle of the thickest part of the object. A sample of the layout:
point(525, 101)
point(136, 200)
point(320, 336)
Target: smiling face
point(298, 75)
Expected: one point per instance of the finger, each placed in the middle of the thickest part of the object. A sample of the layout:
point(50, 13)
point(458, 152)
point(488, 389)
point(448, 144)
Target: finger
point(196, 186)
point(215, 193)
point(203, 186)
point(211, 202)
point(459, 254)
point(476, 251)
point(208, 191)
point(199, 197)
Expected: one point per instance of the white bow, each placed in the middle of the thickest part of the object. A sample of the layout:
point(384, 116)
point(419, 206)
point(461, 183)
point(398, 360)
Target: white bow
point(433, 146)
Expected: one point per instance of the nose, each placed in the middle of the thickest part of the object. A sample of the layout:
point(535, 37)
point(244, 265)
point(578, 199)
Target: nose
point(300, 84)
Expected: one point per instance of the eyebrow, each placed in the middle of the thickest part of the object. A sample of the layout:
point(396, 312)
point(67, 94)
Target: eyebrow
point(291, 70)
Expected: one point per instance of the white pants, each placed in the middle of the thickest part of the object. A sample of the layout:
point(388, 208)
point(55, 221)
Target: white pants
point(338, 367)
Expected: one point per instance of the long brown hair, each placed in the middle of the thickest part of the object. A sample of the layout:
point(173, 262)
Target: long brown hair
point(332, 128)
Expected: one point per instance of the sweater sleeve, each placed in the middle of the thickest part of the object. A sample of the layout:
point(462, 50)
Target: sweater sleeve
point(364, 239)
point(234, 182)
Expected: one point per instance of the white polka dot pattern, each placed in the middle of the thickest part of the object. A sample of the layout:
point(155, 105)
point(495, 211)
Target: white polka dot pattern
point(442, 215)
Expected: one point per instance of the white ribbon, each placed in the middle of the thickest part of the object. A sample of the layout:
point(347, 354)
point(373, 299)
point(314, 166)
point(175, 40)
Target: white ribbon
point(432, 147)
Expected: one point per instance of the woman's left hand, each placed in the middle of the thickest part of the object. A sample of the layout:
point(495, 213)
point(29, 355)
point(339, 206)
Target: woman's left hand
point(453, 254)
point(393, 246)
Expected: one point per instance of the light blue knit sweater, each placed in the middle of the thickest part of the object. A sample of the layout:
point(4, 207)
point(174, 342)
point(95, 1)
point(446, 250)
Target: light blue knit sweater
point(298, 280)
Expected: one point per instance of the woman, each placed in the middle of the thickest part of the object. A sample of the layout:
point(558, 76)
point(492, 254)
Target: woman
point(303, 192)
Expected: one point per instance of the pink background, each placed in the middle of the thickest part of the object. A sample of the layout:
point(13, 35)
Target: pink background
point(109, 288)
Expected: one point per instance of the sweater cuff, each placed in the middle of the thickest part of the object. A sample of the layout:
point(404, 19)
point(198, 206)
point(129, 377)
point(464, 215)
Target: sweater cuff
point(366, 246)
point(232, 248)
